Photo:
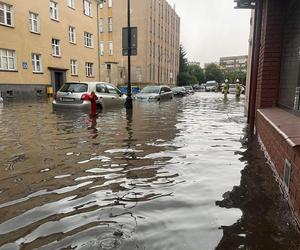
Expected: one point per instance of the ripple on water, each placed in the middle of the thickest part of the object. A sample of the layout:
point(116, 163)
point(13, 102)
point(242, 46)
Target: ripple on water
point(145, 180)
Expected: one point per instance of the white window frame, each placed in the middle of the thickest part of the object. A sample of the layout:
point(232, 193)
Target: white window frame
point(101, 48)
point(34, 18)
point(101, 5)
point(74, 67)
point(7, 10)
point(88, 40)
point(101, 25)
point(110, 24)
point(71, 4)
point(56, 47)
point(72, 34)
point(36, 58)
point(110, 48)
point(87, 8)
point(54, 10)
point(89, 69)
point(8, 58)
point(109, 3)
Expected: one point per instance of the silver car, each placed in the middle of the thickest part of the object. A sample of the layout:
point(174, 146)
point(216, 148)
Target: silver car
point(155, 93)
point(72, 95)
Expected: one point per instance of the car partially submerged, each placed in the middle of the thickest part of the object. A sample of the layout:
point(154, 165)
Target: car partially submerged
point(179, 91)
point(155, 93)
point(189, 89)
point(74, 95)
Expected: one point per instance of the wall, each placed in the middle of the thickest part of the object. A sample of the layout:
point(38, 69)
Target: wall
point(19, 38)
point(279, 150)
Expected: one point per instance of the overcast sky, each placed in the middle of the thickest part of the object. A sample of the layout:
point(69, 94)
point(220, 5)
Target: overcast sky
point(211, 29)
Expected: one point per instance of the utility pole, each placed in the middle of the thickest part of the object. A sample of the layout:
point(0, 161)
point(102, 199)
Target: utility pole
point(128, 103)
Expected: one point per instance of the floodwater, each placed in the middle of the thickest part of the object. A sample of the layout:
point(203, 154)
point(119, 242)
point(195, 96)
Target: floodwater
point(173, 175)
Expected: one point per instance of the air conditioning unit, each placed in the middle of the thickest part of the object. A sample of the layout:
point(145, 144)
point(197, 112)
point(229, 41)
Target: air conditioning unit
point(297, 99)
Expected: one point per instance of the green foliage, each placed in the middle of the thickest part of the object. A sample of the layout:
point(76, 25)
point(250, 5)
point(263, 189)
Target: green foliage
point(233, 75)
point(188, 74)
point(183, 62)
point(185, 78)
point(214, 72)
point(196, 71)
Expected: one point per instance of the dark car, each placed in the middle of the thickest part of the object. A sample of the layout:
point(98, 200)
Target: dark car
point(179, 91)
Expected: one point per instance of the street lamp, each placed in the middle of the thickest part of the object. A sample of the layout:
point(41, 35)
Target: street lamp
point(128, 103)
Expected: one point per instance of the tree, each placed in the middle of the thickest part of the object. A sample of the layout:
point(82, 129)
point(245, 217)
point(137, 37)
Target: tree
point(233, 75)
point(185, 78)
point(213, 72)
point(196, 71)
point(183, 62)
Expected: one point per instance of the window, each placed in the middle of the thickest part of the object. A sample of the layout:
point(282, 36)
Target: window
point(74, 70)
point(55, 47)
point(53, 10)
point(110, 48)
point(102, 48)
point(113, 90)
point(71, 4)
point(87, 8)
point(34, 22)
point(101, 25)
point(72, 34)
point(6, 15)
point(88, 39)
point(110, 24)
point(109, 3)
point(290, 62)
point(89, 69)
point(7, 59)
point(36, 62)
point(101, 5)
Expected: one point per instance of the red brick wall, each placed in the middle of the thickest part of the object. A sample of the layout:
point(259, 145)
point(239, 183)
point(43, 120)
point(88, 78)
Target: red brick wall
point(270, 53)
point(279, 150)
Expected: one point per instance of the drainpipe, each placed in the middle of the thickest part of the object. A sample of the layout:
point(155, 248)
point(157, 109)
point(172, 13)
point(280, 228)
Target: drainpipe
point(255, 65)
point(98, 38)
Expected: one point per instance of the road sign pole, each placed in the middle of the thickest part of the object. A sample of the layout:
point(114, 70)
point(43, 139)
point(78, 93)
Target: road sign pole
point(128, 103)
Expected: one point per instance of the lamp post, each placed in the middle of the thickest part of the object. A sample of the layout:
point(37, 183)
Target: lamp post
point(128, 103)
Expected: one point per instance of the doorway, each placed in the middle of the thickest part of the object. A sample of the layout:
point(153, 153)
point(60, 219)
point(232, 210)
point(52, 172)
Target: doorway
point(58, 78)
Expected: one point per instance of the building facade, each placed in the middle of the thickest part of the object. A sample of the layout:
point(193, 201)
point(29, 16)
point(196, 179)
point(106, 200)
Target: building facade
point(234, 62)
point(274, 110)
point(44, 43)
point(195, 63)
point(157, 59)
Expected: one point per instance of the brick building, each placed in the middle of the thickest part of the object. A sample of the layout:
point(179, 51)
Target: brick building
point(274, 111)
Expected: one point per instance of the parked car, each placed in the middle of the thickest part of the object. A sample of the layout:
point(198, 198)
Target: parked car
point(189, 89)
point(211, 86)
point(73, 95)
point(179, 91)
point(155, 93)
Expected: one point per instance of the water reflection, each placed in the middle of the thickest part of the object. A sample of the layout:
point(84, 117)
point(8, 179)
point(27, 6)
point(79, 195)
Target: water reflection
point(266, 222)
point(146, 179)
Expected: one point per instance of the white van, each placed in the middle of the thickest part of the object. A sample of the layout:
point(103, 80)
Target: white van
point(211, 86)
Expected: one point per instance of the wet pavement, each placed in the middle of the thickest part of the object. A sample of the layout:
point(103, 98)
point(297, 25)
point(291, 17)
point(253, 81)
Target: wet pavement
point(172, 175)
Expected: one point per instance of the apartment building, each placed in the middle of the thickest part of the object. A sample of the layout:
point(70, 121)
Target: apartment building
point(45, 43)
point(157, 60)
point(234, 62)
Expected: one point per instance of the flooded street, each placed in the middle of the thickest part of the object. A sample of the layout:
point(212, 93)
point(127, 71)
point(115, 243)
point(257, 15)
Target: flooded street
point(161, 177)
